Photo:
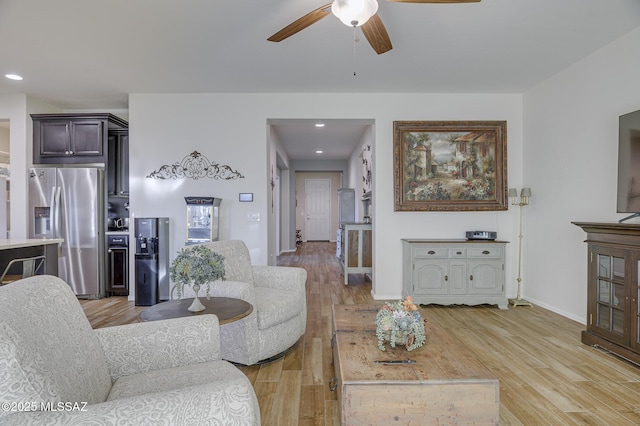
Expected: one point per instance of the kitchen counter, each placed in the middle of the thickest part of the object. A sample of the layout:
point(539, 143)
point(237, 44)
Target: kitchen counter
point(14, 243)
point(15, 248)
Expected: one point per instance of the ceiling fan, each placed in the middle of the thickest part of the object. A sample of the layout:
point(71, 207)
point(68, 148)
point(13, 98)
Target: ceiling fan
point(354, 13)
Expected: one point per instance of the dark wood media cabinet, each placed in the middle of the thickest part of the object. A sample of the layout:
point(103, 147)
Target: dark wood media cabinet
point(613, 288)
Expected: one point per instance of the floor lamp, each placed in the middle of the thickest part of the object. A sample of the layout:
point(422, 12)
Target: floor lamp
point(525, 193)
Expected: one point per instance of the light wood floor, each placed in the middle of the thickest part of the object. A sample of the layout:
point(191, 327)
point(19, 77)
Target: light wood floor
point(547, 376)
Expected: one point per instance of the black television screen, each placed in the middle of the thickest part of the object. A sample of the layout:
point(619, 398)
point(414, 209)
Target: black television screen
point(629, 163)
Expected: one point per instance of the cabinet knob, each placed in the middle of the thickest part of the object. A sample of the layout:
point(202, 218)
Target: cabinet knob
point(431, 252)
point(458, 252)
point(486, 252)
point(471, 277)
point(446, 277)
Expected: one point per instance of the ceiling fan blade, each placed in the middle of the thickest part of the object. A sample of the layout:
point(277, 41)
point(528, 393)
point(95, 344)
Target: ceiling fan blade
point(435, 1)
point(302, 23)
point(377, 35)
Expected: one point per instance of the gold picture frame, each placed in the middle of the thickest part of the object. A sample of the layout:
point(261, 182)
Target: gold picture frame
point(450, 165)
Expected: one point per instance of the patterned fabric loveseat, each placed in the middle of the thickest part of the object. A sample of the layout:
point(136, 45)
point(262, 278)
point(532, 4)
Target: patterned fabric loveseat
point(55, 369)
point(278, 296)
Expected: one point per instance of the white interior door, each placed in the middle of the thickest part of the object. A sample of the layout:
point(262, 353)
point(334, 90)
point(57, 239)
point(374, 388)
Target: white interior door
point(318, 209)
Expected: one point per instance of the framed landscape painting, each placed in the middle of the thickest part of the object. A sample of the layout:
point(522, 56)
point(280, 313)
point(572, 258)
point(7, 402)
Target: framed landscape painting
point(450, 165)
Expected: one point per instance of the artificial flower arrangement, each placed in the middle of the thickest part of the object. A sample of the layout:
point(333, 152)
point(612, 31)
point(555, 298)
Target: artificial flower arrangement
point(400, 322)
point(196, 266)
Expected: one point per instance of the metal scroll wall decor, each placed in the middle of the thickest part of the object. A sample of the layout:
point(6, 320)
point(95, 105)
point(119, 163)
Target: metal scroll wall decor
point(195, 166)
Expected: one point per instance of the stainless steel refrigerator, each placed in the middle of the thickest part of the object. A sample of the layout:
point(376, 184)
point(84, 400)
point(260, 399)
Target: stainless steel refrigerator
point(68, 203)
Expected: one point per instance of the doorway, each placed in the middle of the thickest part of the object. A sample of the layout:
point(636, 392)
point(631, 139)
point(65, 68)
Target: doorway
point(317, 185)
point(320, 147)
point(318, 209)
point(5, 160)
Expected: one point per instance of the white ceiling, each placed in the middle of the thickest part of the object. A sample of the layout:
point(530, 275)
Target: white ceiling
point(301, 138)
point(88, 54)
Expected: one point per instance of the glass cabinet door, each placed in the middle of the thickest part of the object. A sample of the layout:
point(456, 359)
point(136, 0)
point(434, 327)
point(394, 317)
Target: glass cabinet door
point(610, 295)
point(635, 308)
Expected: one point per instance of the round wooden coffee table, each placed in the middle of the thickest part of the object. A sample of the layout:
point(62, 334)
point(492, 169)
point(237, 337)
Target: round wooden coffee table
point(225, 308)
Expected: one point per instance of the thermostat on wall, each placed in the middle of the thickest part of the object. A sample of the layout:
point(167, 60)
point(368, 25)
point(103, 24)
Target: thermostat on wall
point(481, 235)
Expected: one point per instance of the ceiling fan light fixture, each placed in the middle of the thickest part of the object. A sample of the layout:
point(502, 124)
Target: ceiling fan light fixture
point(354, 13)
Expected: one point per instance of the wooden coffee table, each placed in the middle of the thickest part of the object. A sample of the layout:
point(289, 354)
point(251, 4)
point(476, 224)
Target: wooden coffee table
point(225, 308)
point(444, 384)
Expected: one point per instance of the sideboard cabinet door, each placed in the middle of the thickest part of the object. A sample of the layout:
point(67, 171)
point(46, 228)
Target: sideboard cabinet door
point(485, 277)
point(430, 277)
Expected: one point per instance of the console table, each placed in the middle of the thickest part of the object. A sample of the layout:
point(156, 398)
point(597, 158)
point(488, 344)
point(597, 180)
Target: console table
point(613, 287)
point(448, 272)
point(356, 253)
point(444, 385)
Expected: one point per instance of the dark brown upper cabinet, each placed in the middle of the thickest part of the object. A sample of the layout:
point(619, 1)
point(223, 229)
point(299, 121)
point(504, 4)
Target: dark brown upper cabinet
point(73, 138)
point(118, 163)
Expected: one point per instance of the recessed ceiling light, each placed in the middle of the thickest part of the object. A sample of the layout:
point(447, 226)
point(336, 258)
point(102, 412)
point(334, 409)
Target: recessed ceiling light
point(319, 124)
point(319, 151)
point(13, 76)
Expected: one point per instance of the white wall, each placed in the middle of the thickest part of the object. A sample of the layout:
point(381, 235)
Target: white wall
point(16, 108)
point(231, 129)
point(356, 170)
point(279, 160)
point(570, 163)
point(164, 129)
point(13, 108)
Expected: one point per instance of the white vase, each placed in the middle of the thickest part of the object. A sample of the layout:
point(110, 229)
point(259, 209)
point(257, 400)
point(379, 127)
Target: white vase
point(196, 305)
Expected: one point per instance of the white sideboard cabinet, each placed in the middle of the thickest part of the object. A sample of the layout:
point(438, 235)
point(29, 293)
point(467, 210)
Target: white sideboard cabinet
point(450, 272)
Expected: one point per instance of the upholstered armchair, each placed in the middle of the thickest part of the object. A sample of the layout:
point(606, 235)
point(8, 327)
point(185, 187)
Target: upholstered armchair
point(55, 369)
point(278, 296)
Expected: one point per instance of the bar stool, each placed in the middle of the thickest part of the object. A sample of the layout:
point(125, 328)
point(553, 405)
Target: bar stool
point(30, 266)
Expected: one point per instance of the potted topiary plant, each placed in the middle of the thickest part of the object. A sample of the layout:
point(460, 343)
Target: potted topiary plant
point(400, 323)
point(196, 267)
